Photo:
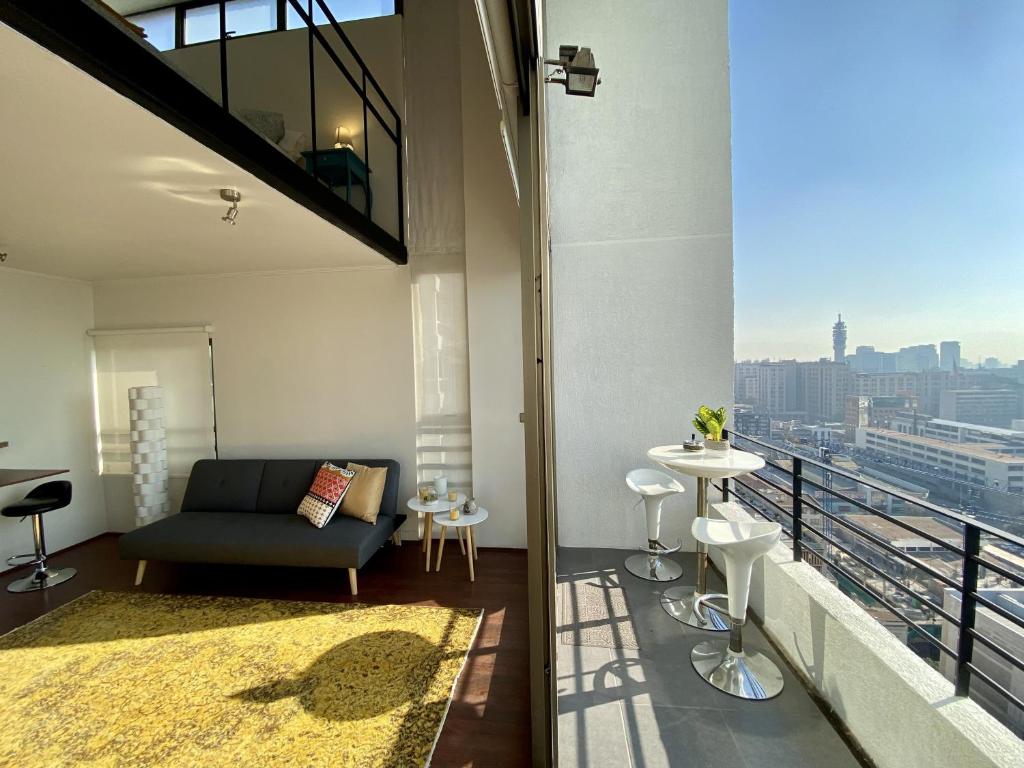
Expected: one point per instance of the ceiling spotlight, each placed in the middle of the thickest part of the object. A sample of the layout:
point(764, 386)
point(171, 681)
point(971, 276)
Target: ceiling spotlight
point(232, 196)
point(576, 70)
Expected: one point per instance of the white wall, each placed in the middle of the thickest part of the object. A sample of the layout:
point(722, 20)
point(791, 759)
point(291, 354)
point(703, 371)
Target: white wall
point(308, 365)
point(641, 223)
point(46, 408)
point(494, 307)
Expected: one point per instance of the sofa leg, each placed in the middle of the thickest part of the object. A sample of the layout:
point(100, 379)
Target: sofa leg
point(140, 572)
point(352, 581)
point(396, 539)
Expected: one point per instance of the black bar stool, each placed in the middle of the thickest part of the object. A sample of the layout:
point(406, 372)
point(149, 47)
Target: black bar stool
point(43, 498)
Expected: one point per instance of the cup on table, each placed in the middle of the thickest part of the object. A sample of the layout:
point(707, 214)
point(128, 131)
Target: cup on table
point(453, 495)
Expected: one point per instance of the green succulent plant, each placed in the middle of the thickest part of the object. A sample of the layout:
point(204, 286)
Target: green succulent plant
point(710, 423)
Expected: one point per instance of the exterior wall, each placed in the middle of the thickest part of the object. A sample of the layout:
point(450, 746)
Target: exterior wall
point(46, 407)
point(641, 251)
point(870, 678)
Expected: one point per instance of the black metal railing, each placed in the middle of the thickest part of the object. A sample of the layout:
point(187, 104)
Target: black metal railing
point(793, 495)
point(391, 127)
point(378, 112)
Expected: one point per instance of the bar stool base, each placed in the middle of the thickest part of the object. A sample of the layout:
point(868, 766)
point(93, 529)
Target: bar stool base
point(643, 566)
point(48, 577)
point(745, 675)
point(678, 603)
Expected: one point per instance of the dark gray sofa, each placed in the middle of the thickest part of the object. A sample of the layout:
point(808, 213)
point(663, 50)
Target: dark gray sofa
point(244, 511)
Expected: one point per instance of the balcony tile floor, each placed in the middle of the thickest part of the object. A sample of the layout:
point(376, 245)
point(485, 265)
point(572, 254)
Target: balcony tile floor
point(648, 708)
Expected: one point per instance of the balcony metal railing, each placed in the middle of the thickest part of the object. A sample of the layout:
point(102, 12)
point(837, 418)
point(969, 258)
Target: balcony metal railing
point(810, 490)
point(361, 82)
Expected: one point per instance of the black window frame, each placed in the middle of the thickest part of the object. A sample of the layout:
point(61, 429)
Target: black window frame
point(181, 8)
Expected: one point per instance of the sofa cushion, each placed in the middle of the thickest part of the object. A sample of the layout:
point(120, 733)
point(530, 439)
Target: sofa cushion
point(253, 538)
point(220, 485)
point(389, 501)
point(284, 484)
point(362, 501)
point(325, 494)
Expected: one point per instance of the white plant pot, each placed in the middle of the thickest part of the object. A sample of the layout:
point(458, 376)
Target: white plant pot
point(716, 445)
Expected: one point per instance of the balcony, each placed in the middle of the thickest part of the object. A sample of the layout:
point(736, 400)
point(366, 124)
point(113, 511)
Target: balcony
point(881, 606)
point(298, 108)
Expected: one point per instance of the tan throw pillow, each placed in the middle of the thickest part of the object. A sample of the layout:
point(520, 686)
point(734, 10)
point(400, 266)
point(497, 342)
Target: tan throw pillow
point(367, 489)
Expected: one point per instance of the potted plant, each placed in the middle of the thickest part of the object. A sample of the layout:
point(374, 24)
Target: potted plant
point(711, 424)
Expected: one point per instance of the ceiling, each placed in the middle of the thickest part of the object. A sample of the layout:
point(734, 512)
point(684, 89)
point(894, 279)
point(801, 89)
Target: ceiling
point(97, 188)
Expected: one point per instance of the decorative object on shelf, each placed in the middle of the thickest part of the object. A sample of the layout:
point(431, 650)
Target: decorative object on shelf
point(427, 494)
point(711, 424)
point(343, 138)
point(148, 446)
point(453, 495)
point(441, 486)
point(693, 444)
point(470, 507)
point(453, 513)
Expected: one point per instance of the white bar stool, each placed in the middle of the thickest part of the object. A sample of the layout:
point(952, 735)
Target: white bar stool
point(654, 487)
point(727, 666)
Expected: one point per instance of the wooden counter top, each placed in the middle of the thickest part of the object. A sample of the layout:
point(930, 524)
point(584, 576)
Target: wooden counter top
point(13, 476)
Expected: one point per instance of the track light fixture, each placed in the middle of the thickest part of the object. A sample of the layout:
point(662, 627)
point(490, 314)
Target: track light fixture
point(576, 70)
point(232, 196)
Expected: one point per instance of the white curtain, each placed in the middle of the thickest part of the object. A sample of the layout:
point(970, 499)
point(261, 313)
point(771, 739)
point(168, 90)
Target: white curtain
point(180, 363)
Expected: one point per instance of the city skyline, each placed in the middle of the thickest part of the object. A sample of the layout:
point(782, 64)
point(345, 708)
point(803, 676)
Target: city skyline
point(876, 172)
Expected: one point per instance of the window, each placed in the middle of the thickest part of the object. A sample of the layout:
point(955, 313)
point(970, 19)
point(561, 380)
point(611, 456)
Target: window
point(247, 17)
point(158, 27)
point(177, 361)
point(202, 24)
point(342, 10)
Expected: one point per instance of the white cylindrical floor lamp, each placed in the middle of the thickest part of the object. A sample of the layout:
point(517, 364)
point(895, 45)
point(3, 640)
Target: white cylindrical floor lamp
point(149, 454)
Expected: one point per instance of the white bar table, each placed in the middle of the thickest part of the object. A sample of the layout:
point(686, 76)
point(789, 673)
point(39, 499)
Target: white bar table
point(705, 465)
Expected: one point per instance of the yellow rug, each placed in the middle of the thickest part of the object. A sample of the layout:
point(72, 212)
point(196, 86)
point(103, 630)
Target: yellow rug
point(118, 679)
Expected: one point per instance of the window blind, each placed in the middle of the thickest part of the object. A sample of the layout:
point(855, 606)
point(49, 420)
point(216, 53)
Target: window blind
point(180, 362)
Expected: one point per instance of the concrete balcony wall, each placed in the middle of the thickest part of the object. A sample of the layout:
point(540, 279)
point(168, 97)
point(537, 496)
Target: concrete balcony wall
point(641, 251)
point(901, 711)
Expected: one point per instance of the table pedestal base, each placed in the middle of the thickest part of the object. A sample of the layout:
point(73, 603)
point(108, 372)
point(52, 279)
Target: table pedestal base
point(653, 568)
point(678, 603)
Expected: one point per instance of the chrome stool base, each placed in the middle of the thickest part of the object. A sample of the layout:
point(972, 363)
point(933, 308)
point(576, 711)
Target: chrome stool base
point(653, 568)
point(745, 675)
point(48, 577)
point(678, 603)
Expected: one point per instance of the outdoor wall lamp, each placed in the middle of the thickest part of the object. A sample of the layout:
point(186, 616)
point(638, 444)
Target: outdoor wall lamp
point(232, 196)
point(577, 69)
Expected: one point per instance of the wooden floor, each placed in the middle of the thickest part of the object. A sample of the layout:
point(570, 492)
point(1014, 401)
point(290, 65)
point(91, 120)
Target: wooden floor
point(489, 720)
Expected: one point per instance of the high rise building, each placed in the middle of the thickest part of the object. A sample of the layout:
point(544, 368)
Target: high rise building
point(990, 407)
point(949, 355)
point(822, 388)
point(920, 357)
point(839, 340)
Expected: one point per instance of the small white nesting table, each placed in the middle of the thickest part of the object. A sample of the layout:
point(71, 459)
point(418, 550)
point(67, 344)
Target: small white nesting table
point(464, 522)
point(427, 511)
point(705, 465)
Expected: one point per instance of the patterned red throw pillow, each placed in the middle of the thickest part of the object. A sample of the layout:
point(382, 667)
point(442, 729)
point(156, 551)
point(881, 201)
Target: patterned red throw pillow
point(323, 498)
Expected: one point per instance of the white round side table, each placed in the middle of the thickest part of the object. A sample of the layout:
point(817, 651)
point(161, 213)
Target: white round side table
point(467, 522)
point(439, 507)
point(705, 465)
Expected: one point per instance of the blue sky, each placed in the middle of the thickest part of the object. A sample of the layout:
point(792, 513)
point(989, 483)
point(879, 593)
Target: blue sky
point(878, 170)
